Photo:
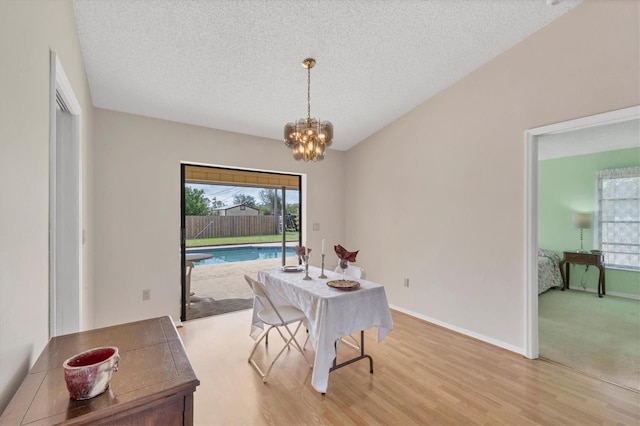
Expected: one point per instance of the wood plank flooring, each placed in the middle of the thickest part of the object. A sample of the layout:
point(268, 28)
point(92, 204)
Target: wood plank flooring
point(423, 374)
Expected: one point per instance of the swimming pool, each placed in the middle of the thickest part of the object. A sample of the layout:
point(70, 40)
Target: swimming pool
point(241, 254)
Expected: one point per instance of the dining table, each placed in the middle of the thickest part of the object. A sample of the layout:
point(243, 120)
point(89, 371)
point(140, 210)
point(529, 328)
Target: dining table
point(330, 313)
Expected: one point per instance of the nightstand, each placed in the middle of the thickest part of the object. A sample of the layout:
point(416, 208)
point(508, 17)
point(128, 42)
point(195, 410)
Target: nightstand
point(579, 258)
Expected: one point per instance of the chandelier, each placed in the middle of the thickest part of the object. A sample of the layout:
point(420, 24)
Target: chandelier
point(308, 137)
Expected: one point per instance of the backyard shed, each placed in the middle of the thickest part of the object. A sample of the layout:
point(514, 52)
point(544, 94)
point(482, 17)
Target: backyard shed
point(237, 210)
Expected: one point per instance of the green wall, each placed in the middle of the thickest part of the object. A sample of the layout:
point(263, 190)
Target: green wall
point(568, 185)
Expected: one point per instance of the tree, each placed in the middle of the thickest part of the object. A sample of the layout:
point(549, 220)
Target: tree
point(293, 208)
point(215, 204)
point(268, 197)
point(245, 199)
point(195, 203)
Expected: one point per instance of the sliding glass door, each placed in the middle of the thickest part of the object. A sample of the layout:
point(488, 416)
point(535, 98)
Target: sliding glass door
point(232, 222)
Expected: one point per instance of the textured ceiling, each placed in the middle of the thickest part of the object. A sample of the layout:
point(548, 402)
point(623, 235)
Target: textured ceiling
point(236, 64)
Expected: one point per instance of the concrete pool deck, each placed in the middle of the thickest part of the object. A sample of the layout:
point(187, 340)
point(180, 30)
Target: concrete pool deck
point(226, 280)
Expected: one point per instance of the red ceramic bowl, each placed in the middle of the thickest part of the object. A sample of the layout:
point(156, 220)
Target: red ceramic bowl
point(88, 374)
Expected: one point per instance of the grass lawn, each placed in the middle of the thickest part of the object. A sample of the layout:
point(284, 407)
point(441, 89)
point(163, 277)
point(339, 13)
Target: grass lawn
point(254, 239)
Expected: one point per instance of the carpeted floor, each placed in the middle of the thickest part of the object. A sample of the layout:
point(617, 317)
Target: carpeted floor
point(600, 336)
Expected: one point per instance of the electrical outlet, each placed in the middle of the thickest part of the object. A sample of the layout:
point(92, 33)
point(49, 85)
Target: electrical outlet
point(146, 294)
point(406, 282)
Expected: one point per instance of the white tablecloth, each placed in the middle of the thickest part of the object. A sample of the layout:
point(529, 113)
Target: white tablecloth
point(330, 313)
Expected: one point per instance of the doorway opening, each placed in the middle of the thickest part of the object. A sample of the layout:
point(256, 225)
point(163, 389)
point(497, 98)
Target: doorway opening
point(534, 315)
point(233, 222)
point(65, 205)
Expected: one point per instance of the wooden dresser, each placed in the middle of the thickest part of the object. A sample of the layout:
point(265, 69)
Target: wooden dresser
point(154, 383)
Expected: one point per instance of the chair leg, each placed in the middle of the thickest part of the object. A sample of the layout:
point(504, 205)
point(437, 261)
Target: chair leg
point(266, 341)
point(293, 335)
point(189, 266)
point(265, 376)
point(288, 343)
point(355, 345)
point(265, 336)
point(304, 346)
point(284, 339)
point(295, 342)
point(255, 345)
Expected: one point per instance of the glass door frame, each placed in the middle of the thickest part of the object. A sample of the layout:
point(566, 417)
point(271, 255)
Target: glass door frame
point(183, 235)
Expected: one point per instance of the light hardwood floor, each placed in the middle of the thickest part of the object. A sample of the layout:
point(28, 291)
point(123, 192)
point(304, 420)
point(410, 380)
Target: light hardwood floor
point(423, 374)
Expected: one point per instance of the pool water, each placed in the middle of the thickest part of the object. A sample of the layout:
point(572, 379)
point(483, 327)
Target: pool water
point(241, 254)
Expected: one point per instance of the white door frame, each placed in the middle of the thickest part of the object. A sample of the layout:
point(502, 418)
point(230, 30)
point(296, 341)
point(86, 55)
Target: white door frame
point(65, 211)
point(531, 249)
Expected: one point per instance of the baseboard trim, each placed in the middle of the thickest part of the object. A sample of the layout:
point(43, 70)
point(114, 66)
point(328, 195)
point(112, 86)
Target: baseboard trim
point(460, 330)
point(609, 293)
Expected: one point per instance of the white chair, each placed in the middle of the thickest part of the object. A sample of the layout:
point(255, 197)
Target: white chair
point(275, 317)
point(353, 271)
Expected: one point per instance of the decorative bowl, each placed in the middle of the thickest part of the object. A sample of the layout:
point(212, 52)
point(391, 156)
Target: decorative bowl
point(88, 373)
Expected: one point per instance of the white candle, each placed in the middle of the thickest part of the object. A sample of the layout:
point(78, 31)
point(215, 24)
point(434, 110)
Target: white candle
point(323, 246)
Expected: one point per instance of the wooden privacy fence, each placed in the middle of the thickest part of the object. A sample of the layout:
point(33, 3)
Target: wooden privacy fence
point(229, 226)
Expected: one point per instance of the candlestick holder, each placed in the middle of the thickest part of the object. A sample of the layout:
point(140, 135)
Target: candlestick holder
point(306, 267)
point(322, 275)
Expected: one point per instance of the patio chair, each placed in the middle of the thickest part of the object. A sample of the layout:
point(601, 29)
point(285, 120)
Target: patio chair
point(189, 267)
point(275, 317)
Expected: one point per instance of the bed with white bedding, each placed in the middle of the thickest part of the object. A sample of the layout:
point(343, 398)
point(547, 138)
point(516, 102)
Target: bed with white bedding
point(548, 270)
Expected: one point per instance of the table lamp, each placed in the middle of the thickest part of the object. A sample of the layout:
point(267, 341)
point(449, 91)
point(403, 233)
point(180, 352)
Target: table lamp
point(582, 221)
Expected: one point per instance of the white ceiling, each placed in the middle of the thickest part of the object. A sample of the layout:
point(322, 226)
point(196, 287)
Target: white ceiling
point(590, 140)
point(236, 64)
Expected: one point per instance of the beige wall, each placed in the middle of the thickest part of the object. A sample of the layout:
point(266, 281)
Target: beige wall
point(459, 159)
point(28, 29)
point(137, 169)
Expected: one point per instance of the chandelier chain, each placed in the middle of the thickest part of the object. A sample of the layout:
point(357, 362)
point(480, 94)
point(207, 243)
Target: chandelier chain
point(309, 93)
